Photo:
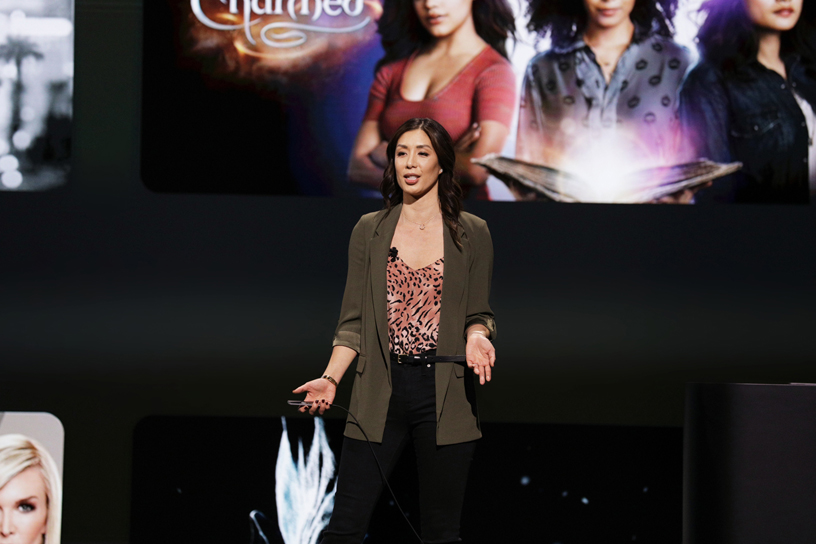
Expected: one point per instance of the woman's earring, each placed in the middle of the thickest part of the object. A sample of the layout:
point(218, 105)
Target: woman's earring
point(440, 170)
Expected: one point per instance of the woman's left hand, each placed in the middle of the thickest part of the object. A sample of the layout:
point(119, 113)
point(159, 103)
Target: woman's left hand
point(479, 140)
point(467, 140)
point(480, 355)
point(378, 156)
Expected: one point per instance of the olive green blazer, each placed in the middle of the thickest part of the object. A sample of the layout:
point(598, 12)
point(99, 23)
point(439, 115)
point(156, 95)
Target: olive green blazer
point(363, 324)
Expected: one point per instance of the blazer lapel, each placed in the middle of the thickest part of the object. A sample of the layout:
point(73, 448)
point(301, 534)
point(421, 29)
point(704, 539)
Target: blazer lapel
point(378, 255)
point(450, 323)
point(453, 288)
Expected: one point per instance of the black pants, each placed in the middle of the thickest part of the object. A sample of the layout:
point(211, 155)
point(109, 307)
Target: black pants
point(443, 470)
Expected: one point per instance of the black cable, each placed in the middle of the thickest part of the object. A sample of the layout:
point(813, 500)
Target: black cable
point(379, 467)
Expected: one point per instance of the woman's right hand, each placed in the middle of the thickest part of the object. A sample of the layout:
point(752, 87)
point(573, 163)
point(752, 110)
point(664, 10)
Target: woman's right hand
point(320, 393)
point(686, 196)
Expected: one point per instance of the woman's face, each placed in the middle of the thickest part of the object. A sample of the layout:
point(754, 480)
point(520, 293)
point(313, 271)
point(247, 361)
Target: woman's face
point(775, 15)
point(23, 508)
point(608, 13)
point(416, 164)
point(442, 18)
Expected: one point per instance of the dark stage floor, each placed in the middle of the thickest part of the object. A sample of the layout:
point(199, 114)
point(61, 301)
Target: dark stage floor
point(566, 484)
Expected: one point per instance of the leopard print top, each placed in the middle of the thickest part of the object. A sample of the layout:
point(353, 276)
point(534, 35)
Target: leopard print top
point(414, 303)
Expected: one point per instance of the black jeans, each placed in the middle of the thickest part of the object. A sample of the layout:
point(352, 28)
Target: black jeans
point(443, 470)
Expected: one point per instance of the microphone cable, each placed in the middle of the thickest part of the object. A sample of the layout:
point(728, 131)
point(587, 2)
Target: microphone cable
point(377, 461)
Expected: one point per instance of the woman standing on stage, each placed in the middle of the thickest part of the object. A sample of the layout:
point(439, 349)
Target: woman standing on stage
point(752, 98)
point(416, 293)
point(444, 59)
point(606, 88)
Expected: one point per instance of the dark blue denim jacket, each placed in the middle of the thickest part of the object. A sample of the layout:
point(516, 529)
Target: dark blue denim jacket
point(750, 115)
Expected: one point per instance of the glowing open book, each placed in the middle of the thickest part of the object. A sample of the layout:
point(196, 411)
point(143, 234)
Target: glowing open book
point(640, 186)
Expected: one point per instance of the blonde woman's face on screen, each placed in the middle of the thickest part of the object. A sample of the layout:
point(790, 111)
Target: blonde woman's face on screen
point(608, 13)
point(774, 15)
point(23, 508)
point(441, 18)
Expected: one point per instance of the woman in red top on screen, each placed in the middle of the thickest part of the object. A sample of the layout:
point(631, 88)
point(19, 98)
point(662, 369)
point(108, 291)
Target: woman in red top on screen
point(447, 60)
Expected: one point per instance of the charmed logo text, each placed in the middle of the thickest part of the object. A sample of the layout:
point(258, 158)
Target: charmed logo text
point(248, 14)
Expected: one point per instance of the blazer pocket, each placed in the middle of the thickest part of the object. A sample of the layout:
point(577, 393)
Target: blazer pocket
point(361, 362)
point(755, 124)
point(459, 370)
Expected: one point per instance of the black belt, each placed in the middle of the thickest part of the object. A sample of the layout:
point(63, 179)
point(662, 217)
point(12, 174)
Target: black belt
point(427, 357)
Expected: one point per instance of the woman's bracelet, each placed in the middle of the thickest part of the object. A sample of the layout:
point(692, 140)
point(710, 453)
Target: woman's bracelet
point(331, 380)
point(483, 333)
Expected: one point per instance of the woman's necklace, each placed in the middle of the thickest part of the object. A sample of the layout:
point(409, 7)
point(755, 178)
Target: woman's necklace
point(608, 55)
point(420, 225)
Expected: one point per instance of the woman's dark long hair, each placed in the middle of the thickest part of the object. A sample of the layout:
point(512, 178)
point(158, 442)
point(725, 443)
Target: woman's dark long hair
point(450, 192)
point(729, 40)
point(402, 33)
point(566, 20)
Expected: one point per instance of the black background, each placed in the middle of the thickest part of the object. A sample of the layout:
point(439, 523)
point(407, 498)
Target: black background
point(118, 302)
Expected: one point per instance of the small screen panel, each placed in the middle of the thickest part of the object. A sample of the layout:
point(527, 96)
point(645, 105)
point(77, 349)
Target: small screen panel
point(31, 474)
point(36, 93)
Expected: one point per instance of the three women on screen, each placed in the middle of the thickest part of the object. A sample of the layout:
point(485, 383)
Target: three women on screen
point(607, 93)
point(752, 96)
point(30, 492)
point(416, 295)
point(444, 59)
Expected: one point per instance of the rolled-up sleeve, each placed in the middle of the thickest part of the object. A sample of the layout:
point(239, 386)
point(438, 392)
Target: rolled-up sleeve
point(349, 326)
point(480, 276)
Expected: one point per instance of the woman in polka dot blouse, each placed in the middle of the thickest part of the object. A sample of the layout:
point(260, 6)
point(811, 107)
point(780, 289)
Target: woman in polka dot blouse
point(605, 93)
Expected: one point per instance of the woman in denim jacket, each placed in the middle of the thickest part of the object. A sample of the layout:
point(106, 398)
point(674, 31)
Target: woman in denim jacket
point(751, 99)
